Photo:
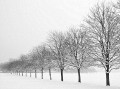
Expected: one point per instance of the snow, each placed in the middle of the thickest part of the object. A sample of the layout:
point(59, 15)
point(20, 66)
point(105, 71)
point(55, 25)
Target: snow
point(89, 81)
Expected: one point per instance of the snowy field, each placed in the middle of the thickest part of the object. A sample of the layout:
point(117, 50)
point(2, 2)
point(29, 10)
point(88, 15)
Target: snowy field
point(89, 81)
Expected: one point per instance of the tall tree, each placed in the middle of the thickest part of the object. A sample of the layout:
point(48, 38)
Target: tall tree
point(104, 30)
point(77, 49)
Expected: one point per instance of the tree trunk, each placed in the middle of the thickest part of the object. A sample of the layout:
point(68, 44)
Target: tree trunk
point(50, 74)
point(26, 73)
point(17, 72)
point(61, 74)
point(107, 71)
point(79, 77)
point(30, 73)
point(42, 73)
point(35, 74)
point(107, 79)
point(22, 73)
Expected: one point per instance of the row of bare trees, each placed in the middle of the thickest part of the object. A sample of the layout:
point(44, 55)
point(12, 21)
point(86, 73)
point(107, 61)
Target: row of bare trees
point(96, 43)
point(39, 59)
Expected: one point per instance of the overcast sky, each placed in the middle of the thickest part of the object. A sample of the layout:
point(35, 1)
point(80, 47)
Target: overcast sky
point(25, 24)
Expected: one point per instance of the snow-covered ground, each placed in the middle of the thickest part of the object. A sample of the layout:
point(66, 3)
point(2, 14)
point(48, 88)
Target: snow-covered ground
point(89, 81)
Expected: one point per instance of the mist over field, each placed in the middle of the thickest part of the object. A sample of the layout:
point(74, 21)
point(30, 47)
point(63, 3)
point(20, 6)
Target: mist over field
point(59, 44)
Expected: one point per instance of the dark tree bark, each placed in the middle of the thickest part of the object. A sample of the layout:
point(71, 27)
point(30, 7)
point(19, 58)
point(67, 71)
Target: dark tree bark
point(61, 74)
point(42, 73)
point(107, 66)
point(19, 73)
point(22, 73)
point(26, 73)
point(30, 73)
point(79, 77)
point(107, 79)
point(107, 73)
point(35, 73)
point(50, 74)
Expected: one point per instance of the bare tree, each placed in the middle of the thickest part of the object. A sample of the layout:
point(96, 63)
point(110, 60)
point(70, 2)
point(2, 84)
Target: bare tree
point(34, 62)
point(12, 66)
point(49, 62)
point(58, 48)
point(30, 66)
point(104, 30)
point(15, 66)
point(77, 49)
point(23, 58)
point(41, 54)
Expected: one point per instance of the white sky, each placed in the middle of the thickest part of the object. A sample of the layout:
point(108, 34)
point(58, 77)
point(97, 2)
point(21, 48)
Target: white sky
point(25, 24)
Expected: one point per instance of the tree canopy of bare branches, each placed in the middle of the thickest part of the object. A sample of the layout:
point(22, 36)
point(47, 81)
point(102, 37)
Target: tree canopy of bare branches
point(58, 48)
point(77, 47)
point(104, 30)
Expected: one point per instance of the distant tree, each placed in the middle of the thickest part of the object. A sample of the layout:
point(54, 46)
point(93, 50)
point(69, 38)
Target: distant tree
point(58, 48)
point(10, 66)
point(3, 67)
point(34, 61)
point(104, 31)
point(41, 54)
point(49, 61)
point(14, 66)
point(27, 66)
point(30, 66)
point(23, 58)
